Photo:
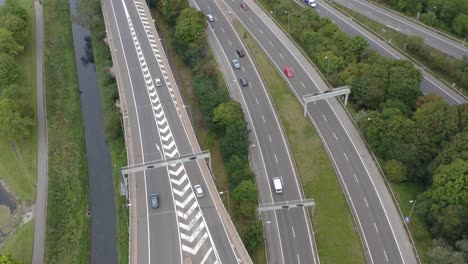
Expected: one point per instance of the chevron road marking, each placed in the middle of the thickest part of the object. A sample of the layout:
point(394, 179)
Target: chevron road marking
point(194, 250)
point(177, 172)
point(186, 201)
point(178, 182)
point(172, 154)
point(194, 233)
point(192, 222)
point(181, 193)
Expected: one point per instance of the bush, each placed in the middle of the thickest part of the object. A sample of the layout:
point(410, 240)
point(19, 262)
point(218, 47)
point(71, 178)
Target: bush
point(253, 237)
point(395, 171)
point(113, 126)
point(9, 71)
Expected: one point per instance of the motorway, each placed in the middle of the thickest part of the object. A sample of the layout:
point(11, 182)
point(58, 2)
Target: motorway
point(377, 216)
point(407, 26)
point(429, 84)
point(185, 229)
point(288, 232)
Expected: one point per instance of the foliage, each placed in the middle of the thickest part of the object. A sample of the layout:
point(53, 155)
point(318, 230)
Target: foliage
point(253, 237)
point(12, 7)
point(18, 27)
point(171, 9)
point(190, 35)
point(245, 195)
point(235, 142)
point(442, 253)
point(204, 87)
point(446, 201)
point(89, 13)
point(463, 117)
point(9, 71)
point(7, 259)
point(457, 148)
point(8, 43)
point(395, 171)
point(13, 124)
point(229, 113)
point(238, 171)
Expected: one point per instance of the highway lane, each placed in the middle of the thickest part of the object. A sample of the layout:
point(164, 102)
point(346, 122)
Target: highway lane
point(178, 231)
point(294, 242)
point(407, 26)
point(429, 84)
point(377, 216)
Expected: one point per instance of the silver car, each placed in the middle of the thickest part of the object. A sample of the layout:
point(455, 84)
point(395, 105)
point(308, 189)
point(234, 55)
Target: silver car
point(210, 17)
point(198, 191)
point(235, 64)
point(158, 82)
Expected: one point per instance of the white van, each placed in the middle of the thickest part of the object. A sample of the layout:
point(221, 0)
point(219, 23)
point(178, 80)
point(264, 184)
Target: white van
point(278, 185)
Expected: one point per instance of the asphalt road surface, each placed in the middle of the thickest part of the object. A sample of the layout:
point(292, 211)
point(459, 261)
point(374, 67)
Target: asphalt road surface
point(288, 232)
point(185, 229)
point(407, 26)
point(377, 216)
point(429, 84)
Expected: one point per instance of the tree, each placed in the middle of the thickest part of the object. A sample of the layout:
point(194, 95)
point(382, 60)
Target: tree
point(460, 25)
point(89, 13)
point(463, 117)
point(376, 83)
point(190, 36)
point(15, 93)
point(18, 27)
point(404, 82)
point(238, 170)
point(12, 7)
point(436, 122)
point(457, 148)
point(229, 113)
point(245, 196)
point(13, 125)
point(204, 87)
point(8, 43)
point(356, 46)
point(171, 9)
point(395, 171)
point(447, 201)
point(462, 246)
point(7, 259)
point(234, 142)
point(441, 253)
point(253, 237)
point(9, 70)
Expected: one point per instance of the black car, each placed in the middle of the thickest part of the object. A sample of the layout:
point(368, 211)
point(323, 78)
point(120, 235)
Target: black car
point(240, 52)
point(154, 200)
point(243, 81)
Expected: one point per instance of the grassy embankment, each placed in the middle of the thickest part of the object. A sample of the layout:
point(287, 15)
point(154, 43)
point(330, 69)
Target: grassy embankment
point(18, 165)
point(206, 137)
point(397, 39)
point(67, 229)
point(335, 233)
point(113, 131)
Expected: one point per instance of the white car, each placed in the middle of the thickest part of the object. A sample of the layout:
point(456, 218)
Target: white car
point(198, 191)
point(235, 64)
point(158, 82)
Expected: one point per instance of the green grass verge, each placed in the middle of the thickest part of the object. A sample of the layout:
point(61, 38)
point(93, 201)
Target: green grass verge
point(422, 237)
point(391, 35)
point(335, 233)
point(108, 89)
point(21, 243)
point(206, 137)
point(67, 229)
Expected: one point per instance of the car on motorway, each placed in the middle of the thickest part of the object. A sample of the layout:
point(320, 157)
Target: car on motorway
point(154, 200)
point(277, 185)
point(210, 17)
point(244, 6)
point(240, 52)
point(243, 81)
point(198, 191)
point(289, 73)
point(158, 82)
point(235, 64)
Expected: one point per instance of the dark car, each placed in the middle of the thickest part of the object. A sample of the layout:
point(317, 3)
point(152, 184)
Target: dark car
point(240, 52)
point(244, 6)
point(154, 200)
point(243, 81)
